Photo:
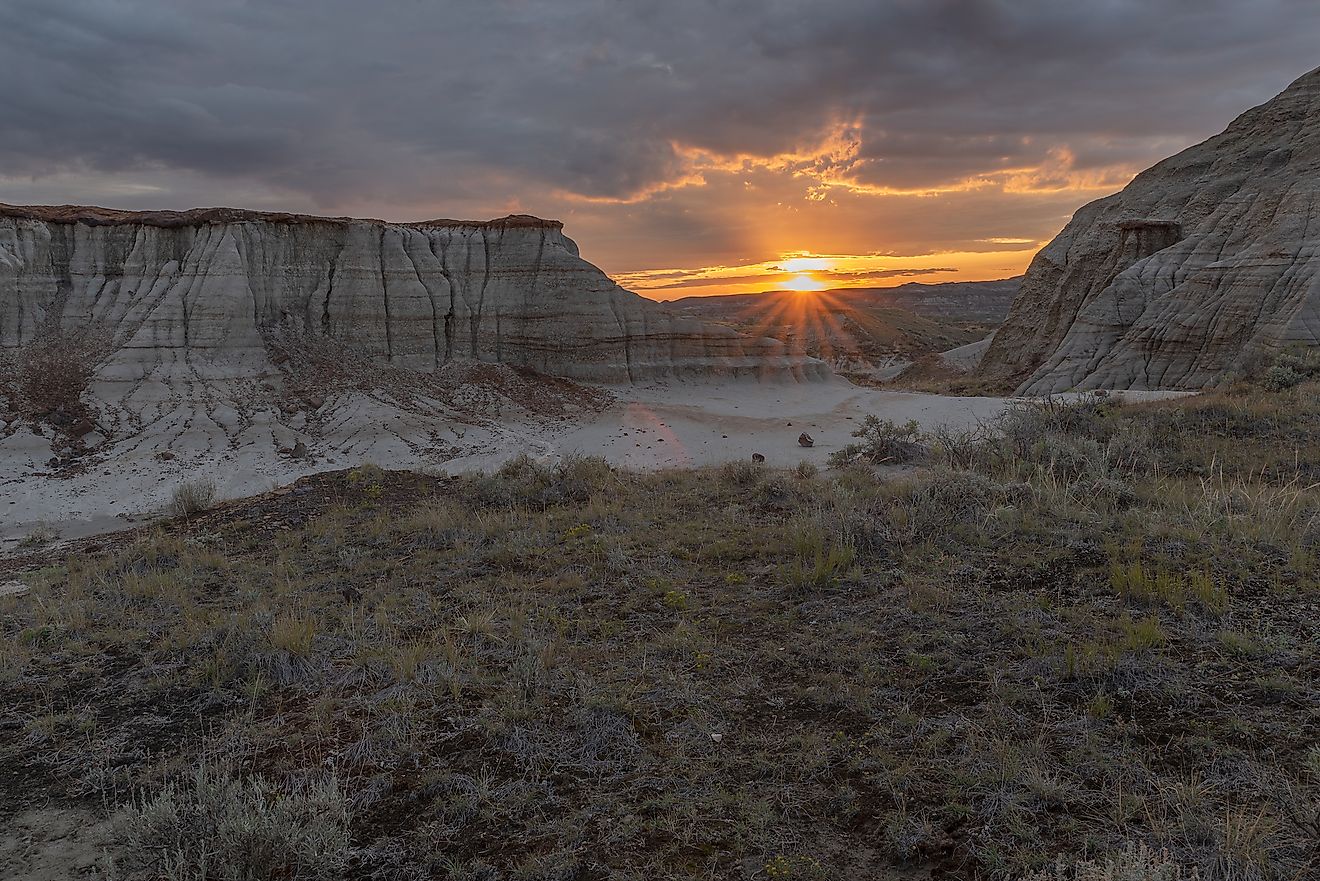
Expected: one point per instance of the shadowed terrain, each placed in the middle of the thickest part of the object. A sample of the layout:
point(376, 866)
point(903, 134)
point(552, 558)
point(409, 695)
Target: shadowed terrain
point(866, 334)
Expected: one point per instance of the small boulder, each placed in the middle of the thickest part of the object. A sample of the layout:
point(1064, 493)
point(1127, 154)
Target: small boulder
point(757, 457)
point(299, 450)
point(804, 440)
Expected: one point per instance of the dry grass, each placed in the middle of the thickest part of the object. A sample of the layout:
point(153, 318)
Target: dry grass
point(192, 498)
point(1048, 642)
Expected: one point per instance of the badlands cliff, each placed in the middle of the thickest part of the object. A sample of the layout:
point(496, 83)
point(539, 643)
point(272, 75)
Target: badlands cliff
point(140, 350)
point(202, 292)
point(1202, 269)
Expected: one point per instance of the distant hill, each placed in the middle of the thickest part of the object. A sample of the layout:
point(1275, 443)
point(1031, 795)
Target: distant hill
point(866, 334)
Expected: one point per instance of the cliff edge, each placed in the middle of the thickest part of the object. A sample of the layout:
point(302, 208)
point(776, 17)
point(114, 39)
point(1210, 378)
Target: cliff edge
point(1202, 268)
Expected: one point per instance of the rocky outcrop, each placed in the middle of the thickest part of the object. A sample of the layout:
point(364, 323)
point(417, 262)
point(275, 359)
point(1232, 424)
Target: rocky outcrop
point(200, 295)
point(1203, 267)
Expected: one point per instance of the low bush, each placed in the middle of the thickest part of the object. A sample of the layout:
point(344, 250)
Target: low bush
point(523, 480)
point(192, 498)
point(1291, 368)
point(883, 442)
point(212, 826)
point(741, 472)
point(1134, 863)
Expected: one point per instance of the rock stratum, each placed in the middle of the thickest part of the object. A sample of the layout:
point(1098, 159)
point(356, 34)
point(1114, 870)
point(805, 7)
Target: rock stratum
point(202, 293)
point(142, 350)
point(1200, 270)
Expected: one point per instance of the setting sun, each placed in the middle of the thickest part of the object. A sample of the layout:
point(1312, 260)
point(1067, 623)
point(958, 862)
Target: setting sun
point(803, 282)
point(806, 263)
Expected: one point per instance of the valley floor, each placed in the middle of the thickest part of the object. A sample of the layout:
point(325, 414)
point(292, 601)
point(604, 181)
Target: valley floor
point(661, 425)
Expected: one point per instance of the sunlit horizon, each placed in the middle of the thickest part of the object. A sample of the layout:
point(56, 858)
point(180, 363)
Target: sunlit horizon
point(806, 271)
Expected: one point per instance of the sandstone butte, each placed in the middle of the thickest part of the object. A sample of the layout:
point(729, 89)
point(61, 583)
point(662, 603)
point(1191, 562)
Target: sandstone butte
point(1201, 270)
point(173, 297)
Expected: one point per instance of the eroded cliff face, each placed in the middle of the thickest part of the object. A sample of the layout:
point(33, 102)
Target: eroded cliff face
point(202, 292)
point(1204, 266)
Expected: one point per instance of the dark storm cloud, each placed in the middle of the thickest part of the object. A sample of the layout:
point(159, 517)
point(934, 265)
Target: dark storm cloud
point(340, 102)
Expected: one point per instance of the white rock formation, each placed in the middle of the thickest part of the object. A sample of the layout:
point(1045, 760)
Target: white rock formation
point(141, 350)
point(1201, 269)
point(199, 293)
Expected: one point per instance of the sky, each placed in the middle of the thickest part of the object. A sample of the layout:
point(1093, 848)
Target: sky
point(689, 147)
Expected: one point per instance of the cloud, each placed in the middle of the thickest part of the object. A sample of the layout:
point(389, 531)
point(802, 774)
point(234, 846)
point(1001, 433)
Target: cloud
point(678, 126)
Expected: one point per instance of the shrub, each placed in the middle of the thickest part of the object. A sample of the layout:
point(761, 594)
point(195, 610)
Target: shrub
point(1291, 368)
point(523, 480)
point(883, 442)
point(932, 504)
point(819, 560)
point(1134, 863)
point(805, 470)
point(213, 827)
point(192, 498)
point(740, 473)
point(1280, 377)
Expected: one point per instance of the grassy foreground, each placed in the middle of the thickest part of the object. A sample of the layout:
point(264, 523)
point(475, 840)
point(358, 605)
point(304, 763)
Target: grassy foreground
point(1092, 627)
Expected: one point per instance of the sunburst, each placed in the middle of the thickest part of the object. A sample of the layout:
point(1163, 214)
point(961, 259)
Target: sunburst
point(803, 283)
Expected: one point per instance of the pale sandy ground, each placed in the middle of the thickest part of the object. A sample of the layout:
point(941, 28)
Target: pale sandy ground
point(684, 425)
point(56, 844)
point(655, 426)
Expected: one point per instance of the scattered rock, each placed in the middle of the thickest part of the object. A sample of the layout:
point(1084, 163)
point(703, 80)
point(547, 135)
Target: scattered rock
point(805, 440)
point(757, 457)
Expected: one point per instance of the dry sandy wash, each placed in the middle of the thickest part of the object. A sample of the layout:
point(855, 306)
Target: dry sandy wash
point(466, 417)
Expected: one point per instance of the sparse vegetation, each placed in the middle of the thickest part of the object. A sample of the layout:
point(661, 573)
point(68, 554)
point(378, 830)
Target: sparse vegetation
point(1078, 644)
point(192, 498)
point(1134, 863)
point(39, 536)
point(212, 826)
point(1291, 368)
point(44, 379)
point(882, 443)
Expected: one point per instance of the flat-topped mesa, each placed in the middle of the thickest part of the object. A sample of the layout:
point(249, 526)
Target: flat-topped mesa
point(202, 292)
point(91, 215)
point(1200, 270)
